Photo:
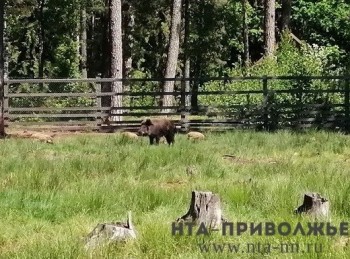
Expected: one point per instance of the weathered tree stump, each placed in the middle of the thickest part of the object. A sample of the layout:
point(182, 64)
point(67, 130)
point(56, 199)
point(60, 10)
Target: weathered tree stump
point(314, 205)
point(106, 233)
point(205, 208)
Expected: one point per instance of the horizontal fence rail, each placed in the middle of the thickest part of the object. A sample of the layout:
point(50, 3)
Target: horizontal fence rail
point(210, 103)
point(203, 79)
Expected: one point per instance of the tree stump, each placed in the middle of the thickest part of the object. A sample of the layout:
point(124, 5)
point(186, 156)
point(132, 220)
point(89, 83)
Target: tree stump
point(205, 208)
point(314, 205)
point(105, 233)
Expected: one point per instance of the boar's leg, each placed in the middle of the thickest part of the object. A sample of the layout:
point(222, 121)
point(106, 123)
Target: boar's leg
point(151, 140)
point(170, 139)
point(157, 140)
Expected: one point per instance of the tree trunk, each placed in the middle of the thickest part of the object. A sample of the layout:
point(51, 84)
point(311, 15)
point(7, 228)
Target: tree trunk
point(116, 57)
point(128, 43)
point(2, 11)
point(160, 62)
point(205, 208)
point(5, 48)
point(41, 39)
point(269, 30)
point(173, 53)
point(286, 13)
point(246, 59)
point(187, 63)
point(187, 82)
point(196, 84)
point(106, 60)
point(83, 41)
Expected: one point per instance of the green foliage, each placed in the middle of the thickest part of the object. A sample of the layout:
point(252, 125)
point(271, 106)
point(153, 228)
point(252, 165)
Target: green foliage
point(324, 22)
point(215, 42)
point(214, 34)
point(64, 64)
point(215, 46)
point(291, 60)
point(138, 87)
point(150, 42)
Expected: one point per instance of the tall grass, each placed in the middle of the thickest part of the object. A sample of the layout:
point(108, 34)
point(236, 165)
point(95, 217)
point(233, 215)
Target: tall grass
point(52, 196)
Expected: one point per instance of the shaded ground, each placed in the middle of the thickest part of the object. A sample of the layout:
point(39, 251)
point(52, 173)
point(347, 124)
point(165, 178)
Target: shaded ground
point(57, 134)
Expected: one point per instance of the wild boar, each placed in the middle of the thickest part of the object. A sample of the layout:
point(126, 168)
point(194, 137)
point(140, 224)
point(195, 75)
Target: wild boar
point(157, 128)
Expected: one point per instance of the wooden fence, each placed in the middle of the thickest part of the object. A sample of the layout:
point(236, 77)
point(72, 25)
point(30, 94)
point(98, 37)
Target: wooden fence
point(220, 103)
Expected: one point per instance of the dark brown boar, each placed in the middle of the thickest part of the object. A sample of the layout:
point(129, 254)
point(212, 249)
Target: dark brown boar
point(157, 128)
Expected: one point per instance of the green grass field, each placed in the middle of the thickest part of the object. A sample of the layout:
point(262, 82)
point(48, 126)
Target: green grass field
point(52, 196)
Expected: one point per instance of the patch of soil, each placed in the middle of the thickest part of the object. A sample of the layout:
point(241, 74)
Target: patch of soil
point(74, 134)
point(32, 135)
point(53, 134)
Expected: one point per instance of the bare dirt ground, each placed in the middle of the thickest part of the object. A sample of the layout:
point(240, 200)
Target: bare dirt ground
point(48, 134)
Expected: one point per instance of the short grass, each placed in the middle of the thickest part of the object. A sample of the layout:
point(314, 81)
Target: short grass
point(52, 196)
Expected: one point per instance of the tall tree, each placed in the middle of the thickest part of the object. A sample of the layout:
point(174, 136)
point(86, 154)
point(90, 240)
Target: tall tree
point(105, 70)
point(286, 13)
point(116, 56)
point(186, 73)
point(245, 33)
point(269, 30)
point(41, 34)
point(2, 11)
point(83, 40)
point(128, 37)
point(173, 52)
point(128, 44)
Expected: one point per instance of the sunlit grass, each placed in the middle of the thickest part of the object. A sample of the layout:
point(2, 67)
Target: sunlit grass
point(52, 196)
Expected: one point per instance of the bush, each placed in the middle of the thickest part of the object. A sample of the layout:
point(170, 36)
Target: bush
point(289, 60)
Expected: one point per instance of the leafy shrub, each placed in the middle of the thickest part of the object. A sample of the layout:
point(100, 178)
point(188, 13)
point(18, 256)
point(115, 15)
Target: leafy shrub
point(289, 60)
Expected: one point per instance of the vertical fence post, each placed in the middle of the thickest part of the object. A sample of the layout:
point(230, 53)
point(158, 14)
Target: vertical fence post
point(98, 102)
point(183, 119)
point(346, 103)
point(265, 94)
point(6, 103)
point(2, 68)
